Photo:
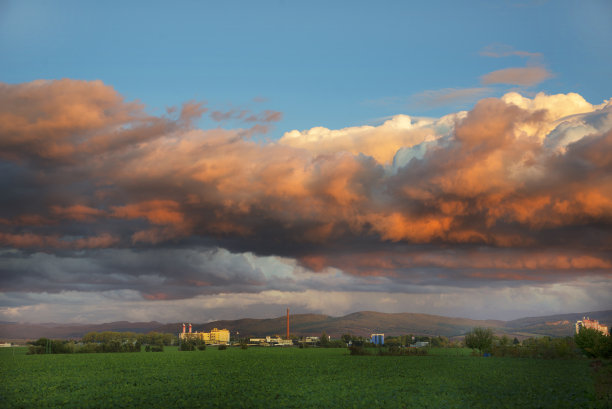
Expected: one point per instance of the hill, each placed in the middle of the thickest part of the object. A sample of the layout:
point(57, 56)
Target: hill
point(361, 323)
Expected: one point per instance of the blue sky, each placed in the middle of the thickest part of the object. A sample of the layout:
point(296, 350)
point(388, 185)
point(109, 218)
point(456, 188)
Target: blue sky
point(449, 157)
point(331, 64)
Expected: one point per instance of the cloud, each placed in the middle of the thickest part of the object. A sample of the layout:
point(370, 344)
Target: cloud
point(523, 76)
point(77, 212)
point(514, 191)
point(531, 75)
point(31, 240)
point(70, 119)
point(504, 50)
point(380, 142)
point(245, 115)
point(584, 295)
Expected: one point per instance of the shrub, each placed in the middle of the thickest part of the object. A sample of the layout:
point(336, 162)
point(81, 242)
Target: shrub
point(49, 346)
point(89, 348)
point(35, 350)
point(358, 350)
point(593, 343)
point(186, 346)
point(543, 347)
point(202, 347)
point(222, 347)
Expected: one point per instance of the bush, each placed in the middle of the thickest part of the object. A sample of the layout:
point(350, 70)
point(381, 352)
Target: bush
point(543, 347)
point(187, 345)
point(35, 350)
point(593, 343)
point(202, 347)
point(222, 347)
point(89, 348)
point(336, 343)
point(358, 350)
point(50, 346)
point(395, 350)
point(157, 348)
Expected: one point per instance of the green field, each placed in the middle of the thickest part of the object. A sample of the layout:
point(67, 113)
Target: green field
point(291, 377)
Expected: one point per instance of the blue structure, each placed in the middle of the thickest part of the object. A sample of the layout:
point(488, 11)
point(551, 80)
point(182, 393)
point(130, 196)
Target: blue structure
point(378, 339)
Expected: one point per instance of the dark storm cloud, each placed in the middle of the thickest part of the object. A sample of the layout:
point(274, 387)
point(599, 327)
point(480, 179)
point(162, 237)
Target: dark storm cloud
point(101, 196)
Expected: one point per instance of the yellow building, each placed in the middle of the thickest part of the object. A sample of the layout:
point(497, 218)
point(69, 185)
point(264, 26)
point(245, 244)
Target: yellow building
point(216, 336)
point(198, 336)
point(219, 336)
point(589, 323)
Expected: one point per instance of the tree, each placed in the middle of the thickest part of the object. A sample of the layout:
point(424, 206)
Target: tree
point(594, 343)
point(504, 341)
point(479, 338)
point(324, 341)
point(347, 338)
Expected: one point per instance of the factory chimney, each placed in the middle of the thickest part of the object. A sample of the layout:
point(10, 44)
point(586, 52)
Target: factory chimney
point(183, 327)
point(287, 323)
point(190, 327)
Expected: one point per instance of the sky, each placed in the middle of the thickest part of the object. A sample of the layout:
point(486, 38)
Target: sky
point(200, 160)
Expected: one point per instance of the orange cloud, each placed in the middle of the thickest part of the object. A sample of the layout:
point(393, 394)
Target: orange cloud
point(39, 241)
point(78, 212)
point(506, 174)
point(57, 120)
point(101, 241)
point(156, 296)
point(525, 76)
point(156, 211)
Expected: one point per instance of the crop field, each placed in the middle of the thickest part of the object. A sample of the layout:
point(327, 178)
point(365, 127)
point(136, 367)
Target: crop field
point(291, 377)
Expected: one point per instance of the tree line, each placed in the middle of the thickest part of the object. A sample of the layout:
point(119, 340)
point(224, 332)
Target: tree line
point(150, 338)
point(589, 342)
point(106, 341)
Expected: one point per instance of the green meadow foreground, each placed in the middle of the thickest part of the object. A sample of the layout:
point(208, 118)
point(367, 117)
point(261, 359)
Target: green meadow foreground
point(290, 377)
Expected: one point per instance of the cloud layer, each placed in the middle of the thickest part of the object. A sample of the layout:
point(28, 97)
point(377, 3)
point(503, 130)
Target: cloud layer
point(102, 196)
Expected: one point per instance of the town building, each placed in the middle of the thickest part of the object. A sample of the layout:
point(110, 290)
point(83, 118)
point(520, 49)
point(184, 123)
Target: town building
point(378, 339)
point(215, 336)
point(586, 322)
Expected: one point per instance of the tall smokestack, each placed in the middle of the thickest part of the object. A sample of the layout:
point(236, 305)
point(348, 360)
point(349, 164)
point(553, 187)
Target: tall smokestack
point(287, 323)
point(190, 327)
point(183, 327)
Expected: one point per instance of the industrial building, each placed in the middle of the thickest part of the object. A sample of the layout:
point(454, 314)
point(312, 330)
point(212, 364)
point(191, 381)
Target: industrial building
point(585, 322)
point(271, 341)
point(378, 339)
point(215, 336)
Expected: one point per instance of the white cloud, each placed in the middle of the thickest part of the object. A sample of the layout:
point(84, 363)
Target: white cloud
point(380, 142)
point(587, 294)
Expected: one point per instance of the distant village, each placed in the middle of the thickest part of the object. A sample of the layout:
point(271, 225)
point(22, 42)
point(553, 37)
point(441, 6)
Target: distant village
point(222, 337)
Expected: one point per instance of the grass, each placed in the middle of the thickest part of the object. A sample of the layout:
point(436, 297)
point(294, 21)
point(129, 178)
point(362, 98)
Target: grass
point(290, 377)
point(603, 382)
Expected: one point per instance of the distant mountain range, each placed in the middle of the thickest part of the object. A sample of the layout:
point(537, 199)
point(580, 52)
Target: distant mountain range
point(361, 323)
